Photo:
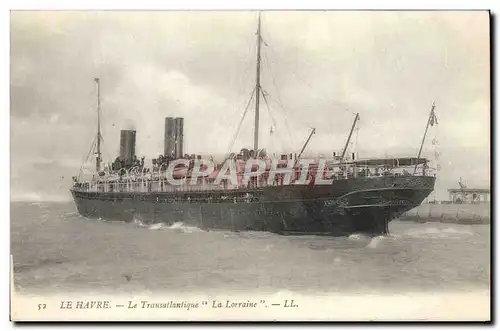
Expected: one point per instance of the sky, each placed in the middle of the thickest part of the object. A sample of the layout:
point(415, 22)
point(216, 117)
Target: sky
point(319, 68)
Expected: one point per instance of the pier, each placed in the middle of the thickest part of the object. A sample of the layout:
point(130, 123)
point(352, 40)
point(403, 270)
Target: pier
point(469, 195)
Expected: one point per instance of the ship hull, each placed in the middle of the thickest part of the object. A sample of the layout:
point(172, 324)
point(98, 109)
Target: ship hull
point(349, 206)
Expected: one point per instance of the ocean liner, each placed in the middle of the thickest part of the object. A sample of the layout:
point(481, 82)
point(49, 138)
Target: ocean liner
point(249, 190)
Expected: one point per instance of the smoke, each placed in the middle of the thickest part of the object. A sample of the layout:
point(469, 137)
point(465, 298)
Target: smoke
point(130, 125)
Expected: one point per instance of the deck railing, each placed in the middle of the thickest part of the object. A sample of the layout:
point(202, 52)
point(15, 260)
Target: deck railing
point(160, 183)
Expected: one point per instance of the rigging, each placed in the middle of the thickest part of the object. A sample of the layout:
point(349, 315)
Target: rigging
point(241, 121)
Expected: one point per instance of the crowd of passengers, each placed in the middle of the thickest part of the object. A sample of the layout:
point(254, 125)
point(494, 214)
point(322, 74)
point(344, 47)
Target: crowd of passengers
point(146, 183)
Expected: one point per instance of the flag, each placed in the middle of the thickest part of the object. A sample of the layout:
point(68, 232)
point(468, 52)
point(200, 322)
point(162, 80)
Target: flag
point(434, 119)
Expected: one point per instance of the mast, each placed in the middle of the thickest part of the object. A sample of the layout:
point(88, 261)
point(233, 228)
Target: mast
point(431, 117)
point(98, 153)
point(349, 138)
point(257, 92)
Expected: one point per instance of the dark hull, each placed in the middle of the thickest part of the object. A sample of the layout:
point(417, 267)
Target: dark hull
point(363, 205)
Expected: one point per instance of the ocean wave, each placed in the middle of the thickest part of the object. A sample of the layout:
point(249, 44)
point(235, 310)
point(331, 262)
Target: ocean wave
point(267, 248)
point(83, 217)
point(110, 221)
point(357, 236)
point(438, 232)
point(138, 223)
point(255, 234)
point(157, 226)
point(455, 231)
point(48, 262)
point(39, 204)
point(179, 227)
point(376, 241)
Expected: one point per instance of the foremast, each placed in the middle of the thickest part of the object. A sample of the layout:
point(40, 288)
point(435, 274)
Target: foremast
point(257, 90)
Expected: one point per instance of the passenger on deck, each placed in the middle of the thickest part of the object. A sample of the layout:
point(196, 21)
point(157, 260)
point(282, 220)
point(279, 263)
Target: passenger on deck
point(424, 168)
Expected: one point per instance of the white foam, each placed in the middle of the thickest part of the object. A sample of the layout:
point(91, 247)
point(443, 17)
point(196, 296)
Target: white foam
point(375, 242)
point(176, 225)
point(139, 223)
point(181, 227)
point(157, 226)
point(356, 236)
